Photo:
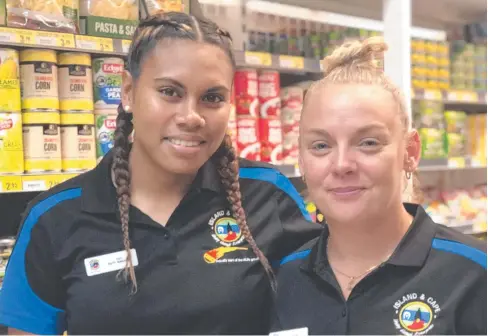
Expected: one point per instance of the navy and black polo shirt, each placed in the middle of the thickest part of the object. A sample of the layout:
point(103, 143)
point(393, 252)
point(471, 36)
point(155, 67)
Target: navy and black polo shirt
point(196, 275)
point(434, 283)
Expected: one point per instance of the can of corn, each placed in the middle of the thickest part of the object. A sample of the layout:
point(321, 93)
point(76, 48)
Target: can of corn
point(78, 138)
point(75, 82)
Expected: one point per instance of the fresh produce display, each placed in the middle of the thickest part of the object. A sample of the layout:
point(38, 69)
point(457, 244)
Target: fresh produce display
point(458, 207)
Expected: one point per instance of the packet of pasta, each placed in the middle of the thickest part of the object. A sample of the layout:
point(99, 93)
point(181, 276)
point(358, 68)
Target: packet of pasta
point(48, 15)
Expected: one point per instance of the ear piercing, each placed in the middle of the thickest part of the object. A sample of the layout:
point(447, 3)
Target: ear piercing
point(126, 108)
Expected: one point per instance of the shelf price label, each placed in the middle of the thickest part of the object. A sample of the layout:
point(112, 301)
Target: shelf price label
point(258, 58)
point(25, 36)
point(33, 185)
point(8, 35)
point(10, 183)
point(53, 180)
point(125, 46)
point(94, 43)
point(292, 62)
point(433, 95)
point(456, 162)
point(54, 39)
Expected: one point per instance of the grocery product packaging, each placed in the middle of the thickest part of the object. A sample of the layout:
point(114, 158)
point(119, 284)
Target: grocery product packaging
point(434, 144)
point(154, 6)
point(109, 18)
point(48, 15)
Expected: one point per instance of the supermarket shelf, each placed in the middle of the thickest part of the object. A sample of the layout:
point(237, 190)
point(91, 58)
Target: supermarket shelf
point(451, 96)
point(23, 38)
point(31, 182)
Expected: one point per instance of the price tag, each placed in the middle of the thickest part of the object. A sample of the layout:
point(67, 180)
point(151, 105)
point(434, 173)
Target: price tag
point(25, 36)
point(469, 97)
point(54, 180)
point(458, 162)
point(10, 183)
point(54, 39)
point(8, 35)
point(452, 96)
point(292, 62)
point(94, 43)
point(125, 46)
point(34, 185)
point(258, 58)
point(433, 95)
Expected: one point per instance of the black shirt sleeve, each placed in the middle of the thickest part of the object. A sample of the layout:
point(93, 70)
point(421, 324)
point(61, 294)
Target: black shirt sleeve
point(28, 299)
point(296, 222)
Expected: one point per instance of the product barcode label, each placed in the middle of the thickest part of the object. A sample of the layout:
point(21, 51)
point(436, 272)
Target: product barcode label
point(34, 185)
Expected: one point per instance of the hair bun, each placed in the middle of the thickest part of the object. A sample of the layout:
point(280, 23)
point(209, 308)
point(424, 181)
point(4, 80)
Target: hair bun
point(361, 54)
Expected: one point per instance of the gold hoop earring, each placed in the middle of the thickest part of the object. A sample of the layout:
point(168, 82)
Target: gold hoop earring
point(408, 175)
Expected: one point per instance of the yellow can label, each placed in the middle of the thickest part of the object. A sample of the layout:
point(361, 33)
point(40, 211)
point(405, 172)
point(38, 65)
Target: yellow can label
point(78, 138)
point(39, 80)
point(42, 142)
point(11, 148)
point(9, 81)
point(75, 82)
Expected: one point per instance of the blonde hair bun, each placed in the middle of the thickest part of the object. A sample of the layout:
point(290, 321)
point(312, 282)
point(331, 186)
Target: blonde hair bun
point(356, 53)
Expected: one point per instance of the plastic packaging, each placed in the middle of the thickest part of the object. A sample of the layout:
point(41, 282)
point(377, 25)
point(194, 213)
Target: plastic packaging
point(114, 9)
point(49, 15)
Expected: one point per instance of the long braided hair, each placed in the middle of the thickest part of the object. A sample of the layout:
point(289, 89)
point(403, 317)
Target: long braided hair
point(147, 35)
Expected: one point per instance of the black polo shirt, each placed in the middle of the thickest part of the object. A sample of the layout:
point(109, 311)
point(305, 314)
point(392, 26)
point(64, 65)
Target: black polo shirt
point(434, 283)
point(196, 275)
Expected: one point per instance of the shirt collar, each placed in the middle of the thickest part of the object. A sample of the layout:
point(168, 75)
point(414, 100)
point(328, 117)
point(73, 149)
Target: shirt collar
point(412, 250)
point(99, 194)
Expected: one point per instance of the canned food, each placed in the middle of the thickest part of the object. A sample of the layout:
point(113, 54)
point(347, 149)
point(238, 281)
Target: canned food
point(9, 81)
point(270, 139)
point(246, 92)
point(78, 138)
point(232, 123)
point(39, 79)
point(269, 93)
point(75, 82)
point(248, 144)
point(11, 149)
point(107, 82)
point(6, 247)
point(42, 142)
point(105, 128)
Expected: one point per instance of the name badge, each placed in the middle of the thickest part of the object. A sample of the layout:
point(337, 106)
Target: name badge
point(109, 262)
point(291, 332)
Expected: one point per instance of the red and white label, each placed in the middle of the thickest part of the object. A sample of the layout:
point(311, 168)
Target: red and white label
point(112, 68)
point(290, 117)
point(246, 92)
point(290, 144)
point(6, 124)
point(292, 98)
point(271, 140)
point(269, 93)
point(248, 144)
point(111, 124)
point(232, 126)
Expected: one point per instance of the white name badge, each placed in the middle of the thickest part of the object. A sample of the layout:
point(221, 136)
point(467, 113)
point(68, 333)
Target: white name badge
point(291, 332)
point(109, 262)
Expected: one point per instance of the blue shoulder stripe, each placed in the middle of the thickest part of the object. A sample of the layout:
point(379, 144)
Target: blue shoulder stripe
point(466, 251)
point(295, 256)
point(20, 307)
point(279, 180)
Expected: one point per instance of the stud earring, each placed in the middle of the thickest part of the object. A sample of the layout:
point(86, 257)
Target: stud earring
point(126, 108)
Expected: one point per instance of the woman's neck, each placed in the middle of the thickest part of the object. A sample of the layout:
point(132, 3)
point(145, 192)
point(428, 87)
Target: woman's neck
point(151, 187)
point(359, 246)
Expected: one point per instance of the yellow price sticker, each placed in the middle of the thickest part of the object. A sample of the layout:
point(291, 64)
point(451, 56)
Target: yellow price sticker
point(25, 36)
point(456, 162)
point(469, 97)
point(453, 96)
point(94, 43)
point(10, 183)
point(292, 62)
point(258, 58)
point(8, 35)
point(433, 94)
point(126, 46)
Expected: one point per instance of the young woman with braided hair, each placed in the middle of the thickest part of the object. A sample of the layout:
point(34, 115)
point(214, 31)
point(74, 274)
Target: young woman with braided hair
point(381, 266)
point(170, 234)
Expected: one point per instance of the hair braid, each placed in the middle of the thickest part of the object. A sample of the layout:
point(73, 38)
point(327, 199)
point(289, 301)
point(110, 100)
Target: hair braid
point(121, 174)
point(227, 167)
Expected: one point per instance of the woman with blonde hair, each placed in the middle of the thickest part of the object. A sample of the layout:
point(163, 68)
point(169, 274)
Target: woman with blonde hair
point(381, 266)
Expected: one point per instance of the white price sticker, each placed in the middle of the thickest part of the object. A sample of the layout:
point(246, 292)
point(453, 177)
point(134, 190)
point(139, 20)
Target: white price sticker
point(87, 45)
point(34, 186)
point(47, 40)
point(7, 37)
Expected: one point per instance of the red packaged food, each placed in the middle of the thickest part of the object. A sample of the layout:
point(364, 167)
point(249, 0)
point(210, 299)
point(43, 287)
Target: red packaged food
point(271, 140)
point(232, 124)
point(246, 92)
point(269, 93)
point(248, 144)
point(290, 144)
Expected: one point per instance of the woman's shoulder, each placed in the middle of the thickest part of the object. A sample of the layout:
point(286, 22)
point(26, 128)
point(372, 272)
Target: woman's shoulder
point(449, 241)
